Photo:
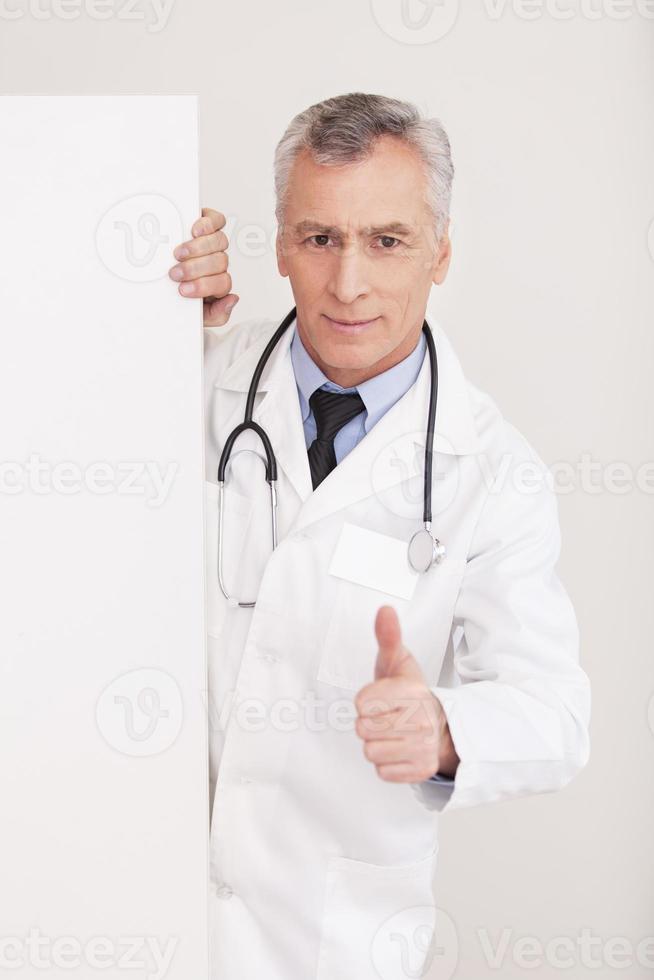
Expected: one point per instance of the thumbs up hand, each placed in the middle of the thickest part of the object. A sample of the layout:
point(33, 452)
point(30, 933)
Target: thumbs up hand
point(401, 723)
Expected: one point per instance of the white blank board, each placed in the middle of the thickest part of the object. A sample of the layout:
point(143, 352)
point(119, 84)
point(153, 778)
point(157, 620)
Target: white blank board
point(103, 743)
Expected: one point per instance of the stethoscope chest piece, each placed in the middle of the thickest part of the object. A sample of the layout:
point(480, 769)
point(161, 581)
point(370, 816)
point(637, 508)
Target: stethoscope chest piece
point(425, 550)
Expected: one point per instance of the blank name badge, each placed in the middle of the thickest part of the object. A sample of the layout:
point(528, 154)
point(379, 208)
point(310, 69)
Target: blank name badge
point(374, 560)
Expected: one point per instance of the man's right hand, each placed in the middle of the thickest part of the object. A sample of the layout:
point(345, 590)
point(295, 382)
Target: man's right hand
point(202, 268)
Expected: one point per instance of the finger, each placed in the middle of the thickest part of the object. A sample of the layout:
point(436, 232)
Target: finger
point(386, 694)
point(218, 311)
point(209, 222)
point(204, 245)
point(410, 720)
point(207, 265)
point(405, 721)
point(389, 641)
point(378, 726)
point(374, 699)
point(386, 753)
point(399, 772)
point(217, 286)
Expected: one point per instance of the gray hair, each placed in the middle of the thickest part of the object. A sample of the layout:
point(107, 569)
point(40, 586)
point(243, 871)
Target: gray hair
point(344, 129)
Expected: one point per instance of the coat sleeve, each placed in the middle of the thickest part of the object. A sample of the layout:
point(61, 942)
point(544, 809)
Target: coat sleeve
point(519, 715)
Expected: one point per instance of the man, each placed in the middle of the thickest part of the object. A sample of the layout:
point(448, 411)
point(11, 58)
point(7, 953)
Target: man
point(356, 700)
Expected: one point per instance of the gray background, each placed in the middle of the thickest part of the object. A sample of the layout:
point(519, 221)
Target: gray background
point(549, 304)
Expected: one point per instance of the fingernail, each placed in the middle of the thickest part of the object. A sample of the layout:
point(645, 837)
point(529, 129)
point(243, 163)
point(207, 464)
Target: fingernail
point(186, 288)
point(230, 306)
point(181, 252)
point(177, 273)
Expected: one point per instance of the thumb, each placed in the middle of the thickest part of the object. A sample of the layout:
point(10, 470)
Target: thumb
point(217, 310)
point(393, 660)
point(389, 641)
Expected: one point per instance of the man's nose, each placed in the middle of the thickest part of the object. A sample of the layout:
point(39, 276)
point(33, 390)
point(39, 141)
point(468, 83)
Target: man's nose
point(349, 280)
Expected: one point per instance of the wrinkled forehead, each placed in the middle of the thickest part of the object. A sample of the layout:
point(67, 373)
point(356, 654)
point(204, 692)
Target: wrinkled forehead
point(386, 189)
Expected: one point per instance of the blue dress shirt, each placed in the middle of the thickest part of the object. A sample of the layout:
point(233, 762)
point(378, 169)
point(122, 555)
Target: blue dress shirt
point(378, 395)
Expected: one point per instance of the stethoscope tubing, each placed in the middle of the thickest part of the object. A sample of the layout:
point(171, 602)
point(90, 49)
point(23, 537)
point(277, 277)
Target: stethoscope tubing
point(271, 461)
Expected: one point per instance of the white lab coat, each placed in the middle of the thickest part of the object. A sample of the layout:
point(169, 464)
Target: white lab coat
point(319, 868)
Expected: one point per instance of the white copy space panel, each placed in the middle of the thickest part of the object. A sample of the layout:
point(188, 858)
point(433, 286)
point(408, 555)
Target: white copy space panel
point(103, 747)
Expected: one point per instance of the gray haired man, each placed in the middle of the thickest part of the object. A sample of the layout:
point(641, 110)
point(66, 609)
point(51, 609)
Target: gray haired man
point(323, 840)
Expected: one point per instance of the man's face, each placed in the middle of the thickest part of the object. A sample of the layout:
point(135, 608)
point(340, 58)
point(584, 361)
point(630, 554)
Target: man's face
point(359, 247)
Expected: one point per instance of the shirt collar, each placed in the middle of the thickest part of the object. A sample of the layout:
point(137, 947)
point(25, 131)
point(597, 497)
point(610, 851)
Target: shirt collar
point(378, 394)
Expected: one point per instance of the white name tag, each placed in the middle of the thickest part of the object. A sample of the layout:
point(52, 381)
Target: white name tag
point(373, 559)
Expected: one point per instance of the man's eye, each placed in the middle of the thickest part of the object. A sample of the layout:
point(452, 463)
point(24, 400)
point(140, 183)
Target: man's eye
point(320, 240)
point(388, 242)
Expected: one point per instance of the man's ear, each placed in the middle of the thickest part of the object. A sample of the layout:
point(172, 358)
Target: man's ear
point(442, 258)
point(281, 258)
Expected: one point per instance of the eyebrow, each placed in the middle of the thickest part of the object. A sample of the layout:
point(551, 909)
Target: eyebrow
point(392, 228)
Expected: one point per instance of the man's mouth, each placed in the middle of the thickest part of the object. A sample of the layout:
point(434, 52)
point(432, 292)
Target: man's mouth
point(349, 326)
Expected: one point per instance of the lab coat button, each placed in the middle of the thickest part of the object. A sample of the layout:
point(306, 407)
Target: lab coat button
point(269, 658)
point(224, 891)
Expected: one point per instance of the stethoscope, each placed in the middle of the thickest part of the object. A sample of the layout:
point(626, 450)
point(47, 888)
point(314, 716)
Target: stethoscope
point(424, 550)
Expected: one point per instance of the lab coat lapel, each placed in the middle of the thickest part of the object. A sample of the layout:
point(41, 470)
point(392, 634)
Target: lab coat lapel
point(276, 408)
point(281, 417)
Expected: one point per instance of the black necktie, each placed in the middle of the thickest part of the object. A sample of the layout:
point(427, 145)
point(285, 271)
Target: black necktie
point(331, 410)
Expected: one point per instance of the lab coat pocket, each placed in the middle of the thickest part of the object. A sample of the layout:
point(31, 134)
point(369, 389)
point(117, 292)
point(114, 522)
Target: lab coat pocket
point(378, 921)
point(238, 513)
point(349, 648)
